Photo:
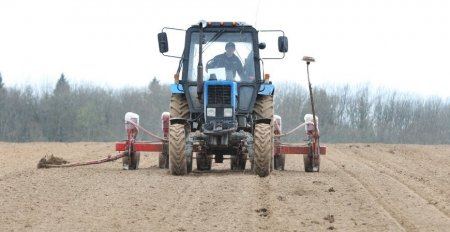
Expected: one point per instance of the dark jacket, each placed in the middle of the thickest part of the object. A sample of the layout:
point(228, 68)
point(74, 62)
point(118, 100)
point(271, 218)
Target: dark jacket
point(231, 64)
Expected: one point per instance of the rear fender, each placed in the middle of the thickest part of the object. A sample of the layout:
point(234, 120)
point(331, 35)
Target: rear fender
point(263, 120)
point(182, 121)
point(266, 89)
point(176, 88)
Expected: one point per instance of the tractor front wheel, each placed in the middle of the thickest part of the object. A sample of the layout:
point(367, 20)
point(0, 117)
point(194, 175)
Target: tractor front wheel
point(204, 161)
point(179, 107)
point(238, 162)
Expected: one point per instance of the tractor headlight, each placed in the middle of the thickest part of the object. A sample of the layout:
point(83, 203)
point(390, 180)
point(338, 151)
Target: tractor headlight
point(211, 112)
point(228, 112)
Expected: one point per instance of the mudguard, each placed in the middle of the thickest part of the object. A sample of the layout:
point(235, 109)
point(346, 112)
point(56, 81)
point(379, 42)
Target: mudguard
point(176, 88)
point(266, 89)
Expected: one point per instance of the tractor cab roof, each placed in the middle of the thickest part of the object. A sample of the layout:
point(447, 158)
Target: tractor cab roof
point(222, 25)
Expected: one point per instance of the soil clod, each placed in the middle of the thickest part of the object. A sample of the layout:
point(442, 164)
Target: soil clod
point(263, 212)
point(50, 160)
point(329, 218)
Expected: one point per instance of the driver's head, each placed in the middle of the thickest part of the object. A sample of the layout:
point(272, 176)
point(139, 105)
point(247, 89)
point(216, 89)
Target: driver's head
point(230, 48)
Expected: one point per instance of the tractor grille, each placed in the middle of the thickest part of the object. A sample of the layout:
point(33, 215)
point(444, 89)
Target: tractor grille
point(219, 94)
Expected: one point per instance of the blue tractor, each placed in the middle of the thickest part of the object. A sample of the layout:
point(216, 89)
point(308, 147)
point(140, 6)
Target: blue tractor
point(219, 108)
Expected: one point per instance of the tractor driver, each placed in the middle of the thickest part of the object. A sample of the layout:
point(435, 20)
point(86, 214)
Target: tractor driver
point(229, 61)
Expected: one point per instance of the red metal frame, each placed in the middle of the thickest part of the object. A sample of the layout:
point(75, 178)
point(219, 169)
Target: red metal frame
point(140, 146)
point(296, 149)
point(158, 147)
point(278, 149)
point(146, 146)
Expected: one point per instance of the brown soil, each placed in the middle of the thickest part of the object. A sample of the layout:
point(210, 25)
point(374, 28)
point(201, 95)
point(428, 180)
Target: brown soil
point(360, 187)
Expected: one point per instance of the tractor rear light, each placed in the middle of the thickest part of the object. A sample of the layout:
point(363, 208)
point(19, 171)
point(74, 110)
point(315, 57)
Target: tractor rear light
point(224, 24)
point(228, 112)
point(211, 112)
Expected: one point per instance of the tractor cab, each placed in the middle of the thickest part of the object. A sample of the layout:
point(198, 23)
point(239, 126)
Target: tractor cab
point(228, 53)
point(221, 65)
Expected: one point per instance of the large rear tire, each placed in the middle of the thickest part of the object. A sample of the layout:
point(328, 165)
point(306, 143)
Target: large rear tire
point(263, 148)
point(177, 147)
point(178, 164)
point(263, 107)
point(179, 107)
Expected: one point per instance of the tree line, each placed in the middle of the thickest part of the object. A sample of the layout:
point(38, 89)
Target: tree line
point(69, 113)
point(361, 114)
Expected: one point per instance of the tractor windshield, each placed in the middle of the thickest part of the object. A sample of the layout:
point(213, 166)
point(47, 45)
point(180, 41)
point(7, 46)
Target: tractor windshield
point(226, 56)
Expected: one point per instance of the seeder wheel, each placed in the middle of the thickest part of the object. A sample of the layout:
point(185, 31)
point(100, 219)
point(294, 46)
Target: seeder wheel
point(131, 162)
point(279, 162)
point(164, 157)
point(311, 162)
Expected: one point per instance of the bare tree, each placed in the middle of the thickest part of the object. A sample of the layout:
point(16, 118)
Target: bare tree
point(1, 81)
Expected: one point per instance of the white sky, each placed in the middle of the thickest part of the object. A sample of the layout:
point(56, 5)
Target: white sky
point(402, 45)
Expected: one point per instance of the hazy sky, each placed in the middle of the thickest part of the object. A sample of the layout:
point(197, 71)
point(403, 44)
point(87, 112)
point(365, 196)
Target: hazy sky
point(403, 45)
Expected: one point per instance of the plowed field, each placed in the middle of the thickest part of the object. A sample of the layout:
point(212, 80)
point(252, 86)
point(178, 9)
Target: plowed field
point(360, 187)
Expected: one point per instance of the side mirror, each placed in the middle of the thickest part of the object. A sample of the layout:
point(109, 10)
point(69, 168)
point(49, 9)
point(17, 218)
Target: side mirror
point(283, 44)
point(163, 42)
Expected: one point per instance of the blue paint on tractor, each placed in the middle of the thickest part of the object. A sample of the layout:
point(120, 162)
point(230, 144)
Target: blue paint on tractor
point(176, 88)
point(266, 89)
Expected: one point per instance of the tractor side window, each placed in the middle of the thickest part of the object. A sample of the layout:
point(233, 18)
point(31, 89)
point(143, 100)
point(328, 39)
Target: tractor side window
point(249, 67)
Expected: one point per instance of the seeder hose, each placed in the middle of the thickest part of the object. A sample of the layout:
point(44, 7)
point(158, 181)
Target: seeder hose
point(146, 131)
point(291, 131)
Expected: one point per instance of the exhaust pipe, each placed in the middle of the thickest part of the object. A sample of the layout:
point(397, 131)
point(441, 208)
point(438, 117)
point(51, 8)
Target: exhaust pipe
point(202, 24)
